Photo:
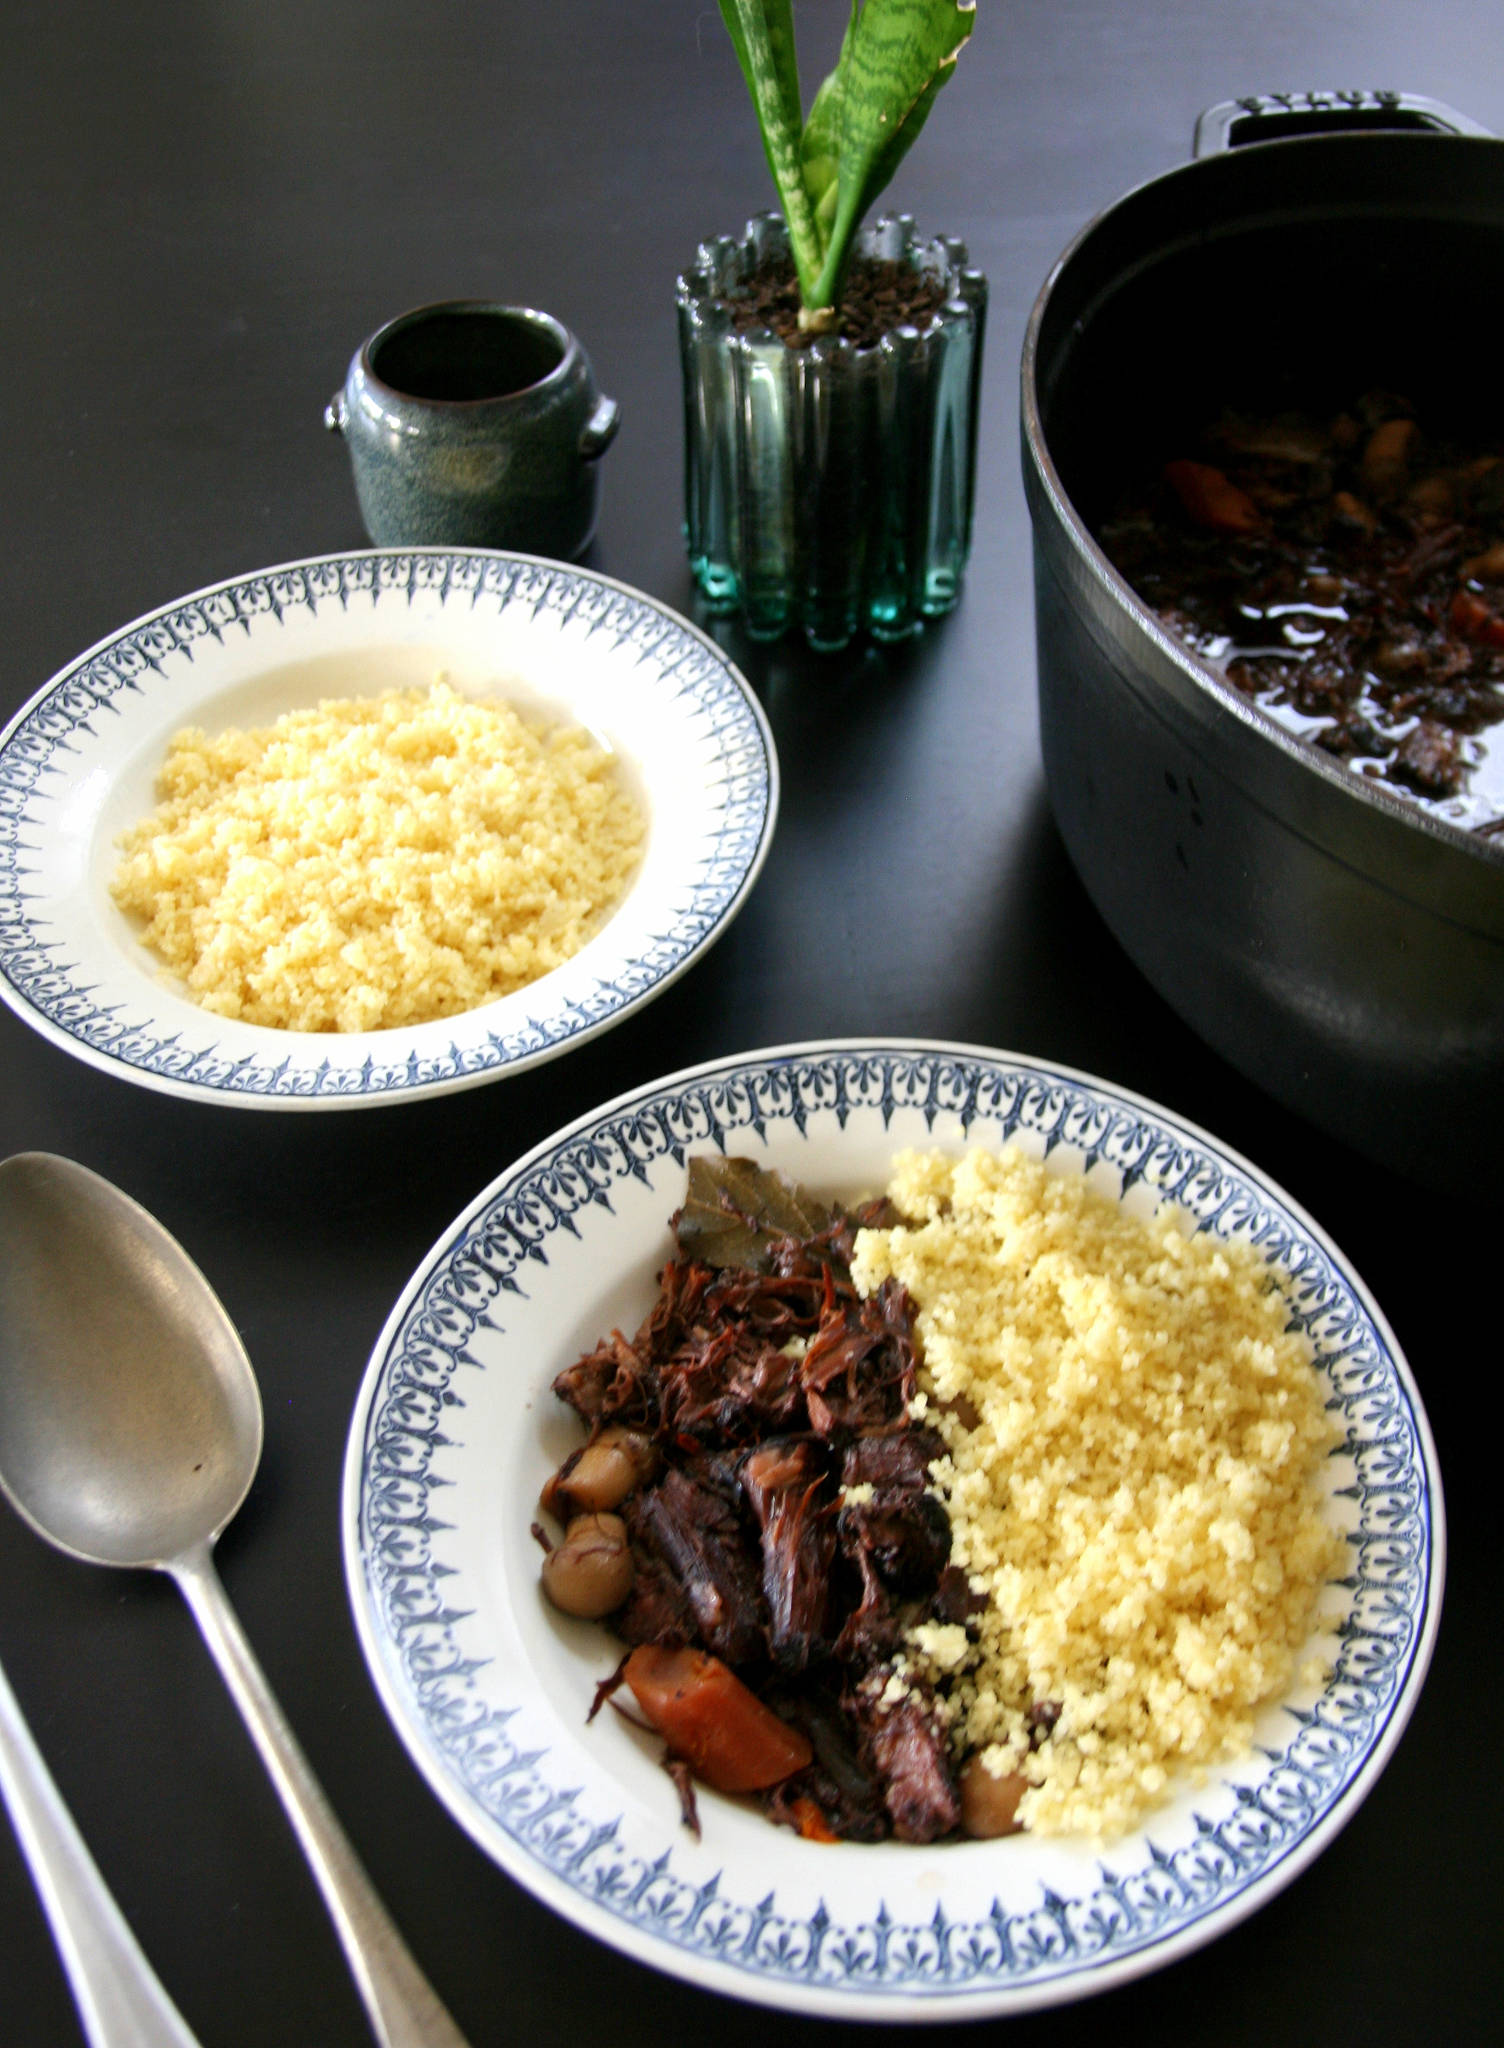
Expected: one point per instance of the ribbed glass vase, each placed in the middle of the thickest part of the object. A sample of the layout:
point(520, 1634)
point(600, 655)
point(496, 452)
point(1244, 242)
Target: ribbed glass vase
point(829, 488)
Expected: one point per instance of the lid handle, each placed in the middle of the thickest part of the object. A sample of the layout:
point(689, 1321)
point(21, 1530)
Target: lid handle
point(1271, 117)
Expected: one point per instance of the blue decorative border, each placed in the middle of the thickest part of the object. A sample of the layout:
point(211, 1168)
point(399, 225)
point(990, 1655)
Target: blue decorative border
point(1128, 1912)
point(35, 763)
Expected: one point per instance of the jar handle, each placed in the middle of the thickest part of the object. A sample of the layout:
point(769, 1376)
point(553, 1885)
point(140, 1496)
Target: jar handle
point(334, 413)
point(1268, 117)
point(600, 429)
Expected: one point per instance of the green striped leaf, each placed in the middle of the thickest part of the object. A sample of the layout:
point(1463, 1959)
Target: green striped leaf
point(762, 34)
point(820, 155)
point(896, 57)
point(828, 170)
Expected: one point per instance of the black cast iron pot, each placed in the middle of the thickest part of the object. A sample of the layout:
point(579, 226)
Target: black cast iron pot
point(1336, 944)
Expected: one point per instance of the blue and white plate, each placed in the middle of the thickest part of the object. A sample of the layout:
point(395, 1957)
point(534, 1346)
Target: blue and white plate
point(456, 1429)
point(78, 766)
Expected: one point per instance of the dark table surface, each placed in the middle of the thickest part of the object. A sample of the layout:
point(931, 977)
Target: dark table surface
point(206, 206)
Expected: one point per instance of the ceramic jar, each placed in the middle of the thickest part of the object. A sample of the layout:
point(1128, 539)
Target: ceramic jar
point(475, 425)
point(829, 488)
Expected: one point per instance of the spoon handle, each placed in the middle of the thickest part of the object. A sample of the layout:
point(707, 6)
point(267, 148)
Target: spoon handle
point(120, 1999)
point(401, 2004)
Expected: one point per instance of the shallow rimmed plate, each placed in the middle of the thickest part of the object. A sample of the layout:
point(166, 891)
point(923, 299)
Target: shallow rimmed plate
point(78, 764)
point(456, 1428)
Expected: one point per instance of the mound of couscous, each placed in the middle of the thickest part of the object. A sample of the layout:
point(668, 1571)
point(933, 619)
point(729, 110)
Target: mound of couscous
point(1135, 1441)
point(377, 861)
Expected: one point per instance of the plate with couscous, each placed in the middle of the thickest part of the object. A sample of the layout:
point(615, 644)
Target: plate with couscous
point(1168, 1577)
point(373, 827)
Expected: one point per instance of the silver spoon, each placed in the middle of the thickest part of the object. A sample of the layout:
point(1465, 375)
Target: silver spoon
point(130, 1431)
point(119, 1997)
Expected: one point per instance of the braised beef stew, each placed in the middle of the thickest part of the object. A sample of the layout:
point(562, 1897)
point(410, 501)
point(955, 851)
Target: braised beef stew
point(770, 1528)
point(1346, 571)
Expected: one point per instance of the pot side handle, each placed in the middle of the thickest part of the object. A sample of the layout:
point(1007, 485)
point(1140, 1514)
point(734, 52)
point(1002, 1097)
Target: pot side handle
point(1270, 117)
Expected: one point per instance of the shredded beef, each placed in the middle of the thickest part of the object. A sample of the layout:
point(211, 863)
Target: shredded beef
point(689, 1527)
point(610, 1384)
point(847, 1796)
point(784, 1480)
point(905, 1749)
point(773, 1391)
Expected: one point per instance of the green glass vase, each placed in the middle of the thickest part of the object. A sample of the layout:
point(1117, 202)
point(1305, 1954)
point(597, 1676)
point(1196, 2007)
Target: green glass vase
point(828, 488)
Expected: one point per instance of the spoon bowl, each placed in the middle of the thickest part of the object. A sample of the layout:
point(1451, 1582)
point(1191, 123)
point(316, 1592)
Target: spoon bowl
point(130, 1421)
point(130, 1432)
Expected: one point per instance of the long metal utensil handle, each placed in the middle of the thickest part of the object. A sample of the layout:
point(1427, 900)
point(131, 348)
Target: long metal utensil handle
point(120, 2000)
point(401, 2004)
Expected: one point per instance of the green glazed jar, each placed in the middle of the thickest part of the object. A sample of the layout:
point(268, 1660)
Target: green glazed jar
point(829, 488)
point(471, 424)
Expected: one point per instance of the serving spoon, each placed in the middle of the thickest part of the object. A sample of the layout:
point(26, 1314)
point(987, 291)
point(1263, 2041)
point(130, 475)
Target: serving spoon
point(130, 1432)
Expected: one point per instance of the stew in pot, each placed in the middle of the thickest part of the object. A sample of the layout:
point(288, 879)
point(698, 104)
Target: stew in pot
point(1347, 572)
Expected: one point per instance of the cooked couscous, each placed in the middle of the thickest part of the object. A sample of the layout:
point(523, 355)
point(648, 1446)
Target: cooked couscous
point(1135, 1441)
point(377, 861)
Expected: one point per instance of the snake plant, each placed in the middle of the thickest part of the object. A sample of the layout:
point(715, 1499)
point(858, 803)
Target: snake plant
point(830, 167)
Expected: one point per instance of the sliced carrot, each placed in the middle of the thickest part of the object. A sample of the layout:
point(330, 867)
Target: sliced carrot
point(1469, 614)
point(1211, 498)
point(811, 1822)
point(729, 1739)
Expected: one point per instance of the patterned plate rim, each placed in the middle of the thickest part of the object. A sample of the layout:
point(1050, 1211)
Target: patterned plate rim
point(1063, 1949)
point(56, 999)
